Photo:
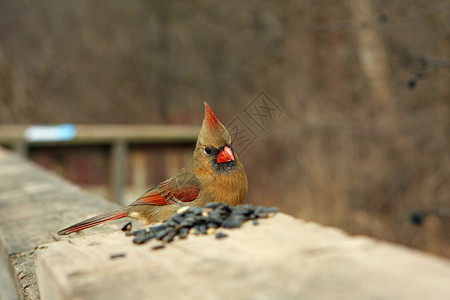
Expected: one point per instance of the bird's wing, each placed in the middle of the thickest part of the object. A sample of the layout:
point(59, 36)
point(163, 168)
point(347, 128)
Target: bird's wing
point(182, 187)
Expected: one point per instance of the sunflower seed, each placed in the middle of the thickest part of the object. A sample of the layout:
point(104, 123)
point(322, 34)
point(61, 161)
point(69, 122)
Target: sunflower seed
point(233, 221)
point(221, 235)
point(127, 227)
point(162, 233)
point(169, 236)
point(117, 255)
point(143, 237)
point(213, 205)
point(183, 233)
point(159, 246)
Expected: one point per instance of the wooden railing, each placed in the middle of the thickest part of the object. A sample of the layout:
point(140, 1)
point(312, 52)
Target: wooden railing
point(21, 138)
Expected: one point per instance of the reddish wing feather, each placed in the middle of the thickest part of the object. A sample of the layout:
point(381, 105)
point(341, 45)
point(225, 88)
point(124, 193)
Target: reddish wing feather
point(162, 193)
point(152, 199)
point(186, 195)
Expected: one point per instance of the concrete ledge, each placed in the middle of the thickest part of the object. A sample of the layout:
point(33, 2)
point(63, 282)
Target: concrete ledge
point(281, 258)
point(34, 205)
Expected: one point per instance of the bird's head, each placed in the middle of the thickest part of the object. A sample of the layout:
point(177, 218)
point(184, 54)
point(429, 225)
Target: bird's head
point(214, 144)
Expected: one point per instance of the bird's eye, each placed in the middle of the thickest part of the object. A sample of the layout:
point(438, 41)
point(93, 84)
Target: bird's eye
point(208, 150)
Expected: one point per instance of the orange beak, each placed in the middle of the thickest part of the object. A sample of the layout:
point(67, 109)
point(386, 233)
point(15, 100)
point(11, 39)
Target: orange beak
point(225, 155)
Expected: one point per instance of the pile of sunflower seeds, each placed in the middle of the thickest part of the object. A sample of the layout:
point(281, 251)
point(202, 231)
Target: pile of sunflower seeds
point(200, 220)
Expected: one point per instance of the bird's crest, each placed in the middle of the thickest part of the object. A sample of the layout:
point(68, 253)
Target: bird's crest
point(213, 133)
point(210, 117)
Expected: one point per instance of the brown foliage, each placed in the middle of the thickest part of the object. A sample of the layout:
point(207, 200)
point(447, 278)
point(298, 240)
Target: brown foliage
point(364, 86)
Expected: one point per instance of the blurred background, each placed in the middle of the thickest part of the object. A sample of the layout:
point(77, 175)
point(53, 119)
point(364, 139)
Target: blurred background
point(356, 131)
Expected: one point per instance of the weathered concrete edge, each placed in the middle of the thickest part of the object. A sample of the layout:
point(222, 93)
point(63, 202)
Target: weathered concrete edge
point(355, 252)
point(8, 286)
point(19, 267)
point(26, 256)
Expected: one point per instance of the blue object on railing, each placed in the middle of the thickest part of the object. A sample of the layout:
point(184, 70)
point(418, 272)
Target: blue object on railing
point(50, 133)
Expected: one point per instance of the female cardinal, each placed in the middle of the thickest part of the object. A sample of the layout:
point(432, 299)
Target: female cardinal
point(214, 173)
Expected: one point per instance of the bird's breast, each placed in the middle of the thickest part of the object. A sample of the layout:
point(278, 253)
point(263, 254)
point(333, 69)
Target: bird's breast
point(230, 188)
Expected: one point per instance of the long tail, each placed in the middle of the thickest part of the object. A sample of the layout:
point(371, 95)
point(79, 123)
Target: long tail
point(94, 221)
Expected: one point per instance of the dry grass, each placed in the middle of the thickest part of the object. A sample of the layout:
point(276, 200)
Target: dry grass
point(364, 138)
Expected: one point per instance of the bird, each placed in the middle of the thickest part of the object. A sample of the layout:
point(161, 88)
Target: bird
point(214, 173)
